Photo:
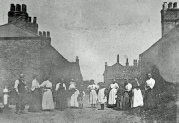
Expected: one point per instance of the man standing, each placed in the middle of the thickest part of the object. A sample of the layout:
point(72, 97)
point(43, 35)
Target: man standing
point(20, 87)
point(128, 91)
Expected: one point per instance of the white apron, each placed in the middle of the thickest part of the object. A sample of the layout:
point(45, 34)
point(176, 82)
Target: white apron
point(73, 99)
point(92, 96)
point(137, 98)
point(47, 100)
point(112, 94)
point(101, 96)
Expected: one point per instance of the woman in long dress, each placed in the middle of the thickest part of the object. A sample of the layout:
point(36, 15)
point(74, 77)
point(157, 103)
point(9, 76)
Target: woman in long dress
point(112, 94)
point(36, 97)
point(137, 95)
point(74, 95)
point(47, 100)
point(150, 98)
point(93, 95)
point(61, 97)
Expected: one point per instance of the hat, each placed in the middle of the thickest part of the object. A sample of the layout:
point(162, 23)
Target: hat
point(21, 75)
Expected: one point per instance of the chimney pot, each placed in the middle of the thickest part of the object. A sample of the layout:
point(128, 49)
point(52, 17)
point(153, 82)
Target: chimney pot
point(12, 8)
point(40, 33)
point(44, 33)
point(118, 58)
point(175, 5)
point(24, 9)
point(170, 5)
point(127, 62)
point(29, 19)
point(18, 7)
point(48, 34)
point(35, 20)
point(106, 63)
point(77, 60)
point(165, 5)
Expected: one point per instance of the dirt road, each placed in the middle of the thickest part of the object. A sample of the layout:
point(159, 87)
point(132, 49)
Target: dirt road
point(86, 115)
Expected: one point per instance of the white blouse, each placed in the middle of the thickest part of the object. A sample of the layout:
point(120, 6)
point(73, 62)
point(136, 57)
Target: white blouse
point(47, 84)
point(150, 83)
point(58, 85)
point(114, 86)
point(35, 84)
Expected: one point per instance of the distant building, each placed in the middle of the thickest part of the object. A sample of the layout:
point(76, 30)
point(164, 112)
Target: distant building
point(24, 49)
point(120, 72)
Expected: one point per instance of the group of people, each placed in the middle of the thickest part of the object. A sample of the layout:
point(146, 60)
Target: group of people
point(42, 95)
point(124, 97)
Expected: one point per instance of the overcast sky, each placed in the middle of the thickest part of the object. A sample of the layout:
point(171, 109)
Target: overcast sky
point(96, 30)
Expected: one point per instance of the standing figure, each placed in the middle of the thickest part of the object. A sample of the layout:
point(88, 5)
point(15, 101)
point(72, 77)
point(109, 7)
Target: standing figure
point(20, 87)
point(137, 95)
point(61, 97)
point(47, 99)
point(5, 97)
point(93, 95)
point(112, 94)
point(149, 101)
point(74, 95)
point(120, 98)
point(128, 94)
point(102, 99)
point(80, 98)
point(36, 100)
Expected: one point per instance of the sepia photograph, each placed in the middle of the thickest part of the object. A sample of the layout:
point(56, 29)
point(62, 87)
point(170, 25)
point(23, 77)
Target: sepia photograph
point(89, 61)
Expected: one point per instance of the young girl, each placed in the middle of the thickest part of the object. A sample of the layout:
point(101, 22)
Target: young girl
point(80, 99)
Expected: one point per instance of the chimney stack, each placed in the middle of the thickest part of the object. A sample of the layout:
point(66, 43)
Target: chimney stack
point(24, 9)
point(35, 20)
point(77, 60)
point(12, 8)
point(118, 58)
point(18, 7)
point(127, 62)
point(170, 5)
point(29, 19)
point(48, 34)
point(175, 5)
point(44, 34)
point(40, 33)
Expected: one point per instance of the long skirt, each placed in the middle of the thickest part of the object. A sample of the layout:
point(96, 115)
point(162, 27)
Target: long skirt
point(137, 98)
point(36, 101)
point(61, 100)
point(93, 97)
point(101, 97)
point(150, 99)
point(47, 100)
point(73, 99)
point(112, 96)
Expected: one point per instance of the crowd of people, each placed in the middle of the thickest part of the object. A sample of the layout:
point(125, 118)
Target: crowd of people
point(42, 95)
point(126, 96)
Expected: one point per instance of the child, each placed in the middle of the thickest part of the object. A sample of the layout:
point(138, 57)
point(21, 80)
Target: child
point(80, 99)
point(5, 97)
point(101, 97)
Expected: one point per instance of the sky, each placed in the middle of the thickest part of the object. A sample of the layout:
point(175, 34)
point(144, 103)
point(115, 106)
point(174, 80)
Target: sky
point(96, 30)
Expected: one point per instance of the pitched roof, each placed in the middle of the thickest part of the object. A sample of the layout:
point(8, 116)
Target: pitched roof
point(11, 30)
point(171, 33)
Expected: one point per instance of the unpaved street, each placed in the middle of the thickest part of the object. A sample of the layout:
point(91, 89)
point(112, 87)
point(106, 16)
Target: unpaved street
point(86, 115)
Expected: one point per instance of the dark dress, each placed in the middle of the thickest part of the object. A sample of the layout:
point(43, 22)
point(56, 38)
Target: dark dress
point(36, 101)
point(150, 99)
point(61, 98)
